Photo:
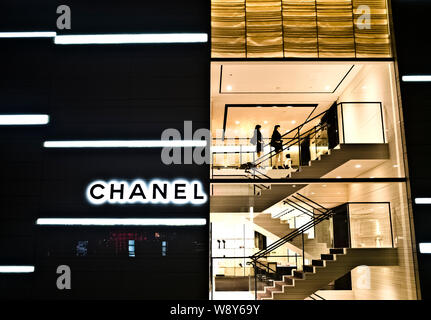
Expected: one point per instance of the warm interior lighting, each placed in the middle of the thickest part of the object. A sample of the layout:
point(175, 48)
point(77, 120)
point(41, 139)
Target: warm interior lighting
point(229, 88)
point(417, 78)
point(423, 200)
point(125, 144)
point(31, 34)
point(16, 269)
point(358, 166)
point(119, 222)
point(132, 38)
point(425, 247)
point(23, 119)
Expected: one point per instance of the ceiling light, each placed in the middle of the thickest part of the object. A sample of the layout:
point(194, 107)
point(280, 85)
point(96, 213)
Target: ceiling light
point(265, 122)
point(338, 177)
point(358, 166)
point(324, 186)
point(293, 121)
point(237, 122)
point(395, 166)
point(327, 87)
point(229, 88)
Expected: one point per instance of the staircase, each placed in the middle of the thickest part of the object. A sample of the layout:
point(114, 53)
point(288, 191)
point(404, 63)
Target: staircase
point(330, 267)
point(280, 228)
point(317, 169)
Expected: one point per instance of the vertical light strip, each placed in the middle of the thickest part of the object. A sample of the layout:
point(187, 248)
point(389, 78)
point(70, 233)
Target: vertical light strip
point(417, 78)
point(16, 269)
point(23, 119)
point(120, 222)
point(149, 38)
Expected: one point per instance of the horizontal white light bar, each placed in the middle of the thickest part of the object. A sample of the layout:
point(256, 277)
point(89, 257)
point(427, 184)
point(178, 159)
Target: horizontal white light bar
point(423, 200)
point(131, 38)
point(23, 119)
point(125, 144)
point(31, 34)
point(119, 222)
point(422, 78)
point(425, 247)
point(16, 269)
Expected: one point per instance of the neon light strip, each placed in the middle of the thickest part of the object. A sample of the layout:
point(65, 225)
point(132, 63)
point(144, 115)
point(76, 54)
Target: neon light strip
point(23, 119)
point(148, 38)
point(125, 144)
point(423, 200)
point(16, 269)
point(425, 247)
point(131, 38)
point(423, 78)
point(119, 222)
point(31, 34)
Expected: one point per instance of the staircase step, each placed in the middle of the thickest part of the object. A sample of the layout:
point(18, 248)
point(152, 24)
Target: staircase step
point(318, 263)
point(261, 295)
point(327, 257)
point(298, 274)
point(309, 269)
point(336, 251)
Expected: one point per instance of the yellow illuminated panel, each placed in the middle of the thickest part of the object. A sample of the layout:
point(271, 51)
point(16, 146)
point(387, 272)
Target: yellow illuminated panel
point(300, 29)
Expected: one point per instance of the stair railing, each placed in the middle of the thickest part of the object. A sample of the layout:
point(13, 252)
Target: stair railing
point(323, 214)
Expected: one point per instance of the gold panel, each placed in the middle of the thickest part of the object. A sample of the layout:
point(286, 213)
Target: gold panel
point(264, 29)
point(335, 28)
point(300, 29)
point(228, 28)
point(372, 40)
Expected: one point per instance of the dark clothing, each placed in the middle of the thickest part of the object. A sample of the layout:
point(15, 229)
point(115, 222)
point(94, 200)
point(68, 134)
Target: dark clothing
point(276, 141)
point(259, 144)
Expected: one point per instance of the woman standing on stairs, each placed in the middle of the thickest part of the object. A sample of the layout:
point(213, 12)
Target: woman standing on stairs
point(258, 141)
point(277, 144)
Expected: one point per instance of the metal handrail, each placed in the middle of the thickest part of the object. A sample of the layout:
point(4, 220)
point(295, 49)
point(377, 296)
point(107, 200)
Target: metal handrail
point(289, 237)
point(300, 136)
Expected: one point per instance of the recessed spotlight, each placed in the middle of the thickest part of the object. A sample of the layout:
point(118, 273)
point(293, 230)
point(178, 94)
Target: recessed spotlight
point(313, 193)
point(293, 121)
point(395, 166)
point(371, 177)
point(324, 185)
point(327, 87)
point(237, 122)
point(358, 166)
point(338, 177)
point(259, 106)
point(229, 88)
point(274, 106)
point(265, 122)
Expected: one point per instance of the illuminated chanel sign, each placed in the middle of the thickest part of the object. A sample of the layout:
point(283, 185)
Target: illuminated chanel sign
point(140, 192)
